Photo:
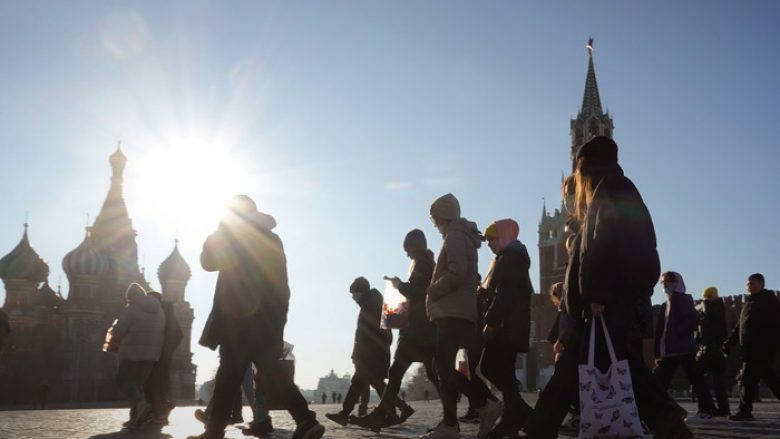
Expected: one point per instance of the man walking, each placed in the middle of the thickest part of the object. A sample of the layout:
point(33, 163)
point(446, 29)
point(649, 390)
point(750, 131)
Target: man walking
point(758, 333)
point(249, 314)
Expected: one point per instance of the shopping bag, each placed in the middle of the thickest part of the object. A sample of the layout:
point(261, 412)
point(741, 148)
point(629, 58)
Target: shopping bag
point(111, 342)
point(607, 406)
point(395, 310)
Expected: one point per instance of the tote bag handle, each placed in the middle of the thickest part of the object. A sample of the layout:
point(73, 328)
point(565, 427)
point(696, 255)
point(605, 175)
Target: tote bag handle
point(591, 348)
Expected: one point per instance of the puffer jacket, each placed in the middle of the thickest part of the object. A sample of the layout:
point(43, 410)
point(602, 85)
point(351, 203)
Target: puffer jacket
point(141, 328)
point(453, 287)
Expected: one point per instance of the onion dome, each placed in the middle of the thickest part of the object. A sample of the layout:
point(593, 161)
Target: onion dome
point(174, 267)
point(84, 260)
point(45, 296)
point(24, 263)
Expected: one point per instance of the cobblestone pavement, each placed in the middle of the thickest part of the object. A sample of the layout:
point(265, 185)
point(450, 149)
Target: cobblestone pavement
point(106, 424)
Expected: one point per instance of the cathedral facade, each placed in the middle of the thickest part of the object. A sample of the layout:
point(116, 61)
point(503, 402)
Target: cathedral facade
point(56, 343)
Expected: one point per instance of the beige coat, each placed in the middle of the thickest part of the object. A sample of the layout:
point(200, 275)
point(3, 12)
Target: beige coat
point(141, 329)
point(453, 288)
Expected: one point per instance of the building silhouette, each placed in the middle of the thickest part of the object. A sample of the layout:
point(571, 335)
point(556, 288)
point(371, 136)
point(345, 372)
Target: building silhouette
point(58, 341)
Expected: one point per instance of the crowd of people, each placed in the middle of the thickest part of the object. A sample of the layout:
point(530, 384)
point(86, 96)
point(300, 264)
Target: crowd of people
point(612, 269)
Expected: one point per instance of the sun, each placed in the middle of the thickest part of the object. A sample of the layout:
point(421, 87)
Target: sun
point(183, 186)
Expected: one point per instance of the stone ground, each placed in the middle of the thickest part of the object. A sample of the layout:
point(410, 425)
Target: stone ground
point(106, 424)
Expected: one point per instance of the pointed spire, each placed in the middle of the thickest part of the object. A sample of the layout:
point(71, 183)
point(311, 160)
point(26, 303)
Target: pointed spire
point(544, 208)
point(591, 101)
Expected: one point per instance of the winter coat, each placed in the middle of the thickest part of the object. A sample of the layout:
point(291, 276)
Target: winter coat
point(618, 258)
point(712, 332)
point(510, 285)
point(455, 277)
point(371, 351)
point(141, 329)
point(675, 335)
point(252, 294)
point(758, 329)
point(421, 331)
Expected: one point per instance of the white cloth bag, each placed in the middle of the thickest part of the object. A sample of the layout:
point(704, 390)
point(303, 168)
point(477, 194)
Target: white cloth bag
point(607, 406)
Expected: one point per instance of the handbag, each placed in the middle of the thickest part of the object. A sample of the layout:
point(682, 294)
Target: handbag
point(607, 406)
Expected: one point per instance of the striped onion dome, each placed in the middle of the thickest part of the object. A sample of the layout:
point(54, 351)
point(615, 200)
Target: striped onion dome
point(84, 260)
point(24, 263)
point(174, 267)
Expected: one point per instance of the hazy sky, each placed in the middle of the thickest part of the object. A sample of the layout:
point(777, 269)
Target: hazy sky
point(345, 119)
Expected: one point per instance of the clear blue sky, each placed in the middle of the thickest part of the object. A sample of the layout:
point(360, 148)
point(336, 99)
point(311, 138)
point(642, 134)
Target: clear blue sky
point(345, 120)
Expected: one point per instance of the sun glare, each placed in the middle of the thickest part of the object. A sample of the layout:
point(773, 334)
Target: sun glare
point(183, 187)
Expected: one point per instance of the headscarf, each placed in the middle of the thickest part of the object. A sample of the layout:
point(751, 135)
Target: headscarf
point(678, 284)
point(505, 230)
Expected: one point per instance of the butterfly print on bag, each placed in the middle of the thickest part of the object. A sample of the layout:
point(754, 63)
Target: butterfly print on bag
point(590, 372)
point(615, 415)
point(605, 429)
point(628, 400)
point(585, 426)
point(586, 386)
point(598, 415)
point(627, 424)
point(621, 371)
point(626, 386)
point(611, 393)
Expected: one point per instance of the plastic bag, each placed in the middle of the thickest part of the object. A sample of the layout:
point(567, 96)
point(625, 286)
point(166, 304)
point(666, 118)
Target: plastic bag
point(462, 363)
point(395, 310)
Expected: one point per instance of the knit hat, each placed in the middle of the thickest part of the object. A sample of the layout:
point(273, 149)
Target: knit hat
point(415, 240)
point(601, 148)
point(710, 293)
point(360, 285)
point(133, 291)
point(446, 207)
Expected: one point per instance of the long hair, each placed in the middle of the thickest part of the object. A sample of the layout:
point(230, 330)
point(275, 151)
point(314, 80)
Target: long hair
point(584, 186)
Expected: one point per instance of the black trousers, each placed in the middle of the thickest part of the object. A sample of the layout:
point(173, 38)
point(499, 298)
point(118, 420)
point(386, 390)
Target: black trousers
point(156, 386)
point(498, 366)
point(233, 362)
point(405, 355)
point(558, 395)
point(716, 370)
point(453, 334)
point(667, 366)
point(752, 373)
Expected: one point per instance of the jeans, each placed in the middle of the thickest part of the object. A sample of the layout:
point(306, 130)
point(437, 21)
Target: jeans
point(666, 367)
point(131, 377)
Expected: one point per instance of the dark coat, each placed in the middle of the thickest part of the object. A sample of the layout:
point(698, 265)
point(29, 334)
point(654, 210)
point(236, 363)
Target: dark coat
point(680, 328)
point(252, 294)
point(618, 258)
point(371, 351)
point(511, 288)
point(173, 332)
point(421, 331)
point(758, 329)
point(712, 332)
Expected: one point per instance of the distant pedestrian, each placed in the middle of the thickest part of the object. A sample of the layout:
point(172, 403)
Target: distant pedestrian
point(141, 331)
point(427, 396)
point(338, 398)
point(43, 395)
point(333, 397)
point(758, 336)
point(249, 315)
point(452, 306)
point(416, 342)
point(324, 398)
point(711, 335)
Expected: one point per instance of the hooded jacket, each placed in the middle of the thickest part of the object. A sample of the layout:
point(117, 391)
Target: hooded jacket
point(509, 285)
point(141, 329)
point(452, 292)
point(252, 294)
point(758, 328)
point(712, 331)
point(677, 323)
